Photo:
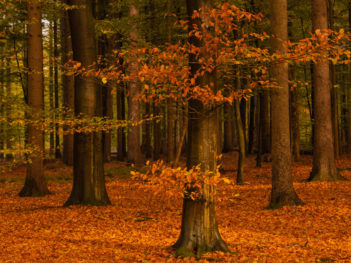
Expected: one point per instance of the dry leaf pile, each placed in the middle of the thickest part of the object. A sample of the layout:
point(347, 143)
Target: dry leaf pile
point(141, 226)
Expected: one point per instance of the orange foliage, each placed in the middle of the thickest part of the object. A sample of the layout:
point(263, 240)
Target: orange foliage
point(140, 226)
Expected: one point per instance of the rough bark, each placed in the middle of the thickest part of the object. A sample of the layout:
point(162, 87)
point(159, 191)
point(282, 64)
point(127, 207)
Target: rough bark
point(68, 87)
point(88, 170)
point(199, 230)
point(134, 154)
point(35, 183)
point(283, 192)
point(323, 145)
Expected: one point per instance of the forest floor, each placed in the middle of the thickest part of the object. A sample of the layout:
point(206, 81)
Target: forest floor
point(140, 227)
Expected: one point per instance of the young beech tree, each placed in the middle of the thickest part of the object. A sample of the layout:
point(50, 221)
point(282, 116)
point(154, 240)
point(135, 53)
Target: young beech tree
point(88, 171)
point(323, 148)
point(35, 184)
point(199, 229)
point(283, 192)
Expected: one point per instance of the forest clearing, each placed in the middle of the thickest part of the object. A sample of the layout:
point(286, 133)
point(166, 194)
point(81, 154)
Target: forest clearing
point(140, 227)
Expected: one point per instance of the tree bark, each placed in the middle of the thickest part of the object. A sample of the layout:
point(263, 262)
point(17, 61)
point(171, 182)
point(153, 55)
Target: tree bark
point(35, 183)
point(228, 128)
point(283, 192)
point(348, 135)
point(199, 230)
point(241, 140)
point(134, 154)
point(88, 170)
point(56, 91)
point(68, 88)
point(323, 147)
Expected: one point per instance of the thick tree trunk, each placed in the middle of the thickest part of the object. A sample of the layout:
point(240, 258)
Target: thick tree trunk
point(35, 183)
point(134, 151)
point(88, 170)
point(199, 230)
point(68, 87)
point(283, 192)
point(323, 146)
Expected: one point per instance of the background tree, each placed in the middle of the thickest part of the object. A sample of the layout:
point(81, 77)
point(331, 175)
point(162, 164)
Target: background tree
point(199, 229)
point(323, 147)
point(88, 170)
point(35, 183)
point(283, 192)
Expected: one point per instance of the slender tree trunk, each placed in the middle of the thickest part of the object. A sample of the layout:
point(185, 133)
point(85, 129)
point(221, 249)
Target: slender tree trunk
point(228, 128)
point(334, 91)
point(51, 92)
point(295, 127)
point(121, 137)
point(9, 130)
point(56, 91)
point(134, 151)
point(241, 140)
point(68, 88)
point(283, 192)
point(252, 142)
point(323, 148)
point(265, 123)
point(2, 108)
point(199, 230)
point(157, 133)
point(348, 135)
point(88, 170)
point(35, 183)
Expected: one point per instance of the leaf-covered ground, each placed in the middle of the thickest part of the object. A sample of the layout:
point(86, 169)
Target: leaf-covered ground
point(140, 227)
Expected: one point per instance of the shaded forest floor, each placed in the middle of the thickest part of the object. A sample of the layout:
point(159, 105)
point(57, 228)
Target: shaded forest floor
point(140, 227)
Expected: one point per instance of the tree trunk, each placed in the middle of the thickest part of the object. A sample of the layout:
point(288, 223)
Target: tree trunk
point(252, 141)
point(228, 128)
point(265, 123)
point(323, 147)
point(68, 88)
point(241, 140)
point(88, 170)
point(134, 152)
point(170, 129)
point(35, 183)
point(199, 230)
point(56, 91)
point(348, 135)
point(51, 93)
point(121, 137)
point(334, 91)
point(283, 192)
point(295, 127)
